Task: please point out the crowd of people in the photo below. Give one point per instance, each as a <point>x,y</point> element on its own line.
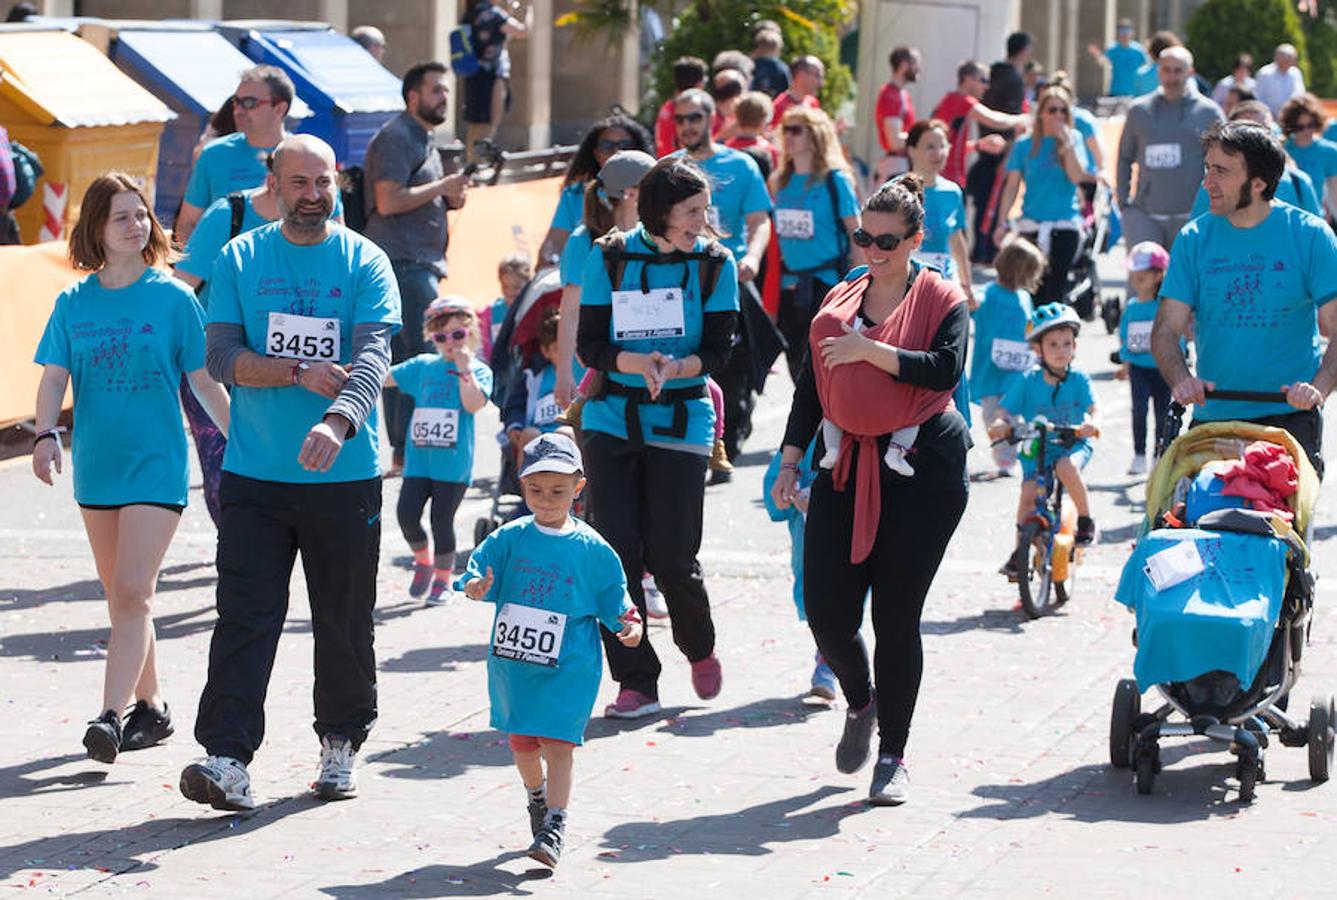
<point>690,260</point>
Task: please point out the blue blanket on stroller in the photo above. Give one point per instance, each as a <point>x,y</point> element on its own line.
<point>1221,618</point>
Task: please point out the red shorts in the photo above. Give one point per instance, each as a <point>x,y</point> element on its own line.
<point>524,743</point>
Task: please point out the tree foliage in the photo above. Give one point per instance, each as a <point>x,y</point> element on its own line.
<point>1220,30</point>
<point>1321,38</point>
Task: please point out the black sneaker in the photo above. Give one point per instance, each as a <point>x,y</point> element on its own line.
<point>547,846</point>
<point>102,740</point>
<point>852,751</point>
<point>1086,531</point>
<point>891,782</point>
<point>146,726</point>
<point>538,814</point>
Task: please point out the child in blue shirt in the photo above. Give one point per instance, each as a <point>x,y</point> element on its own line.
<point>531,407</point>
<point>554,582</point>
<point>1001,354</point>
<point>1147,262</point>
<point>447,388</point>
<point>1063,395</point>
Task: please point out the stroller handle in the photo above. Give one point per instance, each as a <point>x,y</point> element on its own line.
<point>1248,396</point>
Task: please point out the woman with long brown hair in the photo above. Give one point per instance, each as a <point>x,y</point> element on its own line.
<point>125,334</point>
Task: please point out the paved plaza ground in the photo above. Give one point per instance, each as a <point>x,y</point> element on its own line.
<point>1013,794</point>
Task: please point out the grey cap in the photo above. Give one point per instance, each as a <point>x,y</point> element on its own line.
<point>624,169</point>
<point>553,452</point>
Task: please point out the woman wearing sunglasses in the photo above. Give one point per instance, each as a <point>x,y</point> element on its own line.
<point>448,386</point>
<point>895,332</point>
<point>1052,161</point>
<point>1302,122</point>
<point>609,136</point>
<point>816,210</point>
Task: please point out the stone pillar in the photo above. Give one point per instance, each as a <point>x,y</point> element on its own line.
<point>1097,27</point>
<point>332,12</point>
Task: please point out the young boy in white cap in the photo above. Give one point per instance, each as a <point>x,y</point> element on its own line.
<point>554,581</point>
<point>1147,262</point>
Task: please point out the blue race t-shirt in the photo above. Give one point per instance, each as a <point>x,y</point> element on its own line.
<point>552,591</point>
<point>226,165</point>
<point>1089,129</point>
<point>1001,354</point>
<point>541,406</point>
<point>1135,333</point>
<point>126,350</point>
<point>440,441</point>
<point>290,297</point>
<point>944,215</point>
<point>574,254</point>
<point>736,190</point>
<point>809,230</point>
<point>1065,403</point>
<point>676,312</point>
<point>1255,294</point>
<point>1148,79</point>
<point>1330,133</point>
<point>1319,161</point>
<point>1050,195</point>
<point>570,207</point>
<point>1294,188</point>
<point>213,231</point>
<point>1125,62</point>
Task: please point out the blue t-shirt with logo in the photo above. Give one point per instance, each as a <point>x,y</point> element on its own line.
<point>1065,403</point>
<point>683,314</point>
<point>809,230</point>
<point>574,254</point>
<point>1050,195</point>
<point>1135,333</point>
<point>570,207</point>
<point>1255,294</point>
<point>736,190</point>
<point>552,591</point>
<point>1001,355</point>
<point>126,350</point>
<point>944,215</point>
<point>1319,160</point>
<point>226,165</point>
<point>1125,62</point>
<point>1295,188</point>
<point>262,275</point>
<point>437,448</point>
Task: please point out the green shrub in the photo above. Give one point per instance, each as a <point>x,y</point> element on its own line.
<point>1321,36</point>
<point>1222,29</point>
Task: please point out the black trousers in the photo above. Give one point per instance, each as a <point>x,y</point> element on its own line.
<point>1063,248</point>
<point>979,187</point>
<point>918,518</point>
<point>445,496</point>
<point>1149,390</point>
<point>337,529</point>
<point>647,504</point>
<point>735,381</point>
<point>794,319</point>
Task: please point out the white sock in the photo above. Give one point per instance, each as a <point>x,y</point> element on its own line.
<point>831,437</point>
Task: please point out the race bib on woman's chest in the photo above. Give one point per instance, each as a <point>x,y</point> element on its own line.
<point>794,224</point>
<point>657,313</point>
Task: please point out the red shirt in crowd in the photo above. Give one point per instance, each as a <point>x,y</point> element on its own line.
<point>893,102</point>
<point>741,142</point>
<point>786,100</point>
<point>954,109</point>
<point>666,133</point>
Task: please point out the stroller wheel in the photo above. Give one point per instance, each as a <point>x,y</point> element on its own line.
<point>482,528</point>
<point>1127,707</point>
<point>1111,311</point>
<point>1249,772</point>
<point>1321,738</point>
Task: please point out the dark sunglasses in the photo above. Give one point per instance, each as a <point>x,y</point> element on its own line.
<point>887,242</point>
<point>250,102</point>
<point>795,129</point>
<point>458,334</point>
<point>1055,110</point>
<point>1305,126</point>
<point>684,118</point>
<point>606,145</point>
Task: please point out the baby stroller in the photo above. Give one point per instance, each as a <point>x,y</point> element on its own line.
<point>1101,230</point>
<point>1223,600</point>
<point>515,350</point>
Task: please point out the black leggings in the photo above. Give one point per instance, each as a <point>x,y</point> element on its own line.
<point>445,496</point>
<point>1063,247</point>
<point>1149,390</point>
<point>918,518</point>
<point>794,319</point>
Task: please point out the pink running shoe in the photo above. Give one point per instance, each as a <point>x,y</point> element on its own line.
<point>707,677</point>
<point>631,705</point>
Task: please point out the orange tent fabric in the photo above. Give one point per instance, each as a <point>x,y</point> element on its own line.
<point>30,279</point>
<point>496,220</point>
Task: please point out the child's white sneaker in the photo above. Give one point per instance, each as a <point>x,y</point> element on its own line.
<point>1139,465</point>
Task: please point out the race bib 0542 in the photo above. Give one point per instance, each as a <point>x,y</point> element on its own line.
<point>434,427</point>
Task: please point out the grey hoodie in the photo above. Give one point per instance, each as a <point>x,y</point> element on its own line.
<point>1168,176</point>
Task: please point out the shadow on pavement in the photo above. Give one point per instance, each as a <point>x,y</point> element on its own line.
<point>1006,621</point>
<point>89,644</point>
<point>770,713</point>
<point>482,879</point>
<point>601,727</point>
<point>445,754</point>
<point>436,659</point>
<point>15,599</point>
<point>743,833</point>
<point>1129,494</point>
<point>13,782</point>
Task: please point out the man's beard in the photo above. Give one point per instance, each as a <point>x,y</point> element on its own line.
<point>306,219</point>
<point>434,114</point>
<point>700,145</point>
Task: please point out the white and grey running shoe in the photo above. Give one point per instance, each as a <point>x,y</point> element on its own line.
<point>336,780</point>
<point>220,781</point>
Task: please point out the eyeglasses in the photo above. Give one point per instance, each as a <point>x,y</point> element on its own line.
<point>251,102</point>
<point>684,118</point>
<point>887,242</point>
<point>795,129</point>
<point>606,145</point>
<point>457,334</point>
<point>1055,110</point>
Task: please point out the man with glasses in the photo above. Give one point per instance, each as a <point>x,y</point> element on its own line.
<point>1161,136</point>
<point>236,162</point>
<point>300,320</point>
<point>740,212</point>
<point>407,198</point>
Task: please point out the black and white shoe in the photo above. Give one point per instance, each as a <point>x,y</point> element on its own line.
<point>146,726</point>
<point>102,740</point>
<point>857,738</point>
<point>220,781</point>
<point>538,814</point>
<point>891,782</point>
<point>336,780</point>
<point>547,846</point>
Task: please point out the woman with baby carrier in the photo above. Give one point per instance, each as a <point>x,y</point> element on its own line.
<point>892,485</point>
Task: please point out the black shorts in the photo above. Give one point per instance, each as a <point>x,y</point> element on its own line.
<point>173,507</point>
<point>478,97</point>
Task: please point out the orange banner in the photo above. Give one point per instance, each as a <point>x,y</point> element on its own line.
<point>495,221</point>
<point>30,279</point>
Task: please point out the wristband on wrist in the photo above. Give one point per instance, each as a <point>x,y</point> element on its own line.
<point>48,433</point>
<point>792,467</point>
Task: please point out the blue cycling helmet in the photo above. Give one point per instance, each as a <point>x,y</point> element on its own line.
<point>1051,316</point>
